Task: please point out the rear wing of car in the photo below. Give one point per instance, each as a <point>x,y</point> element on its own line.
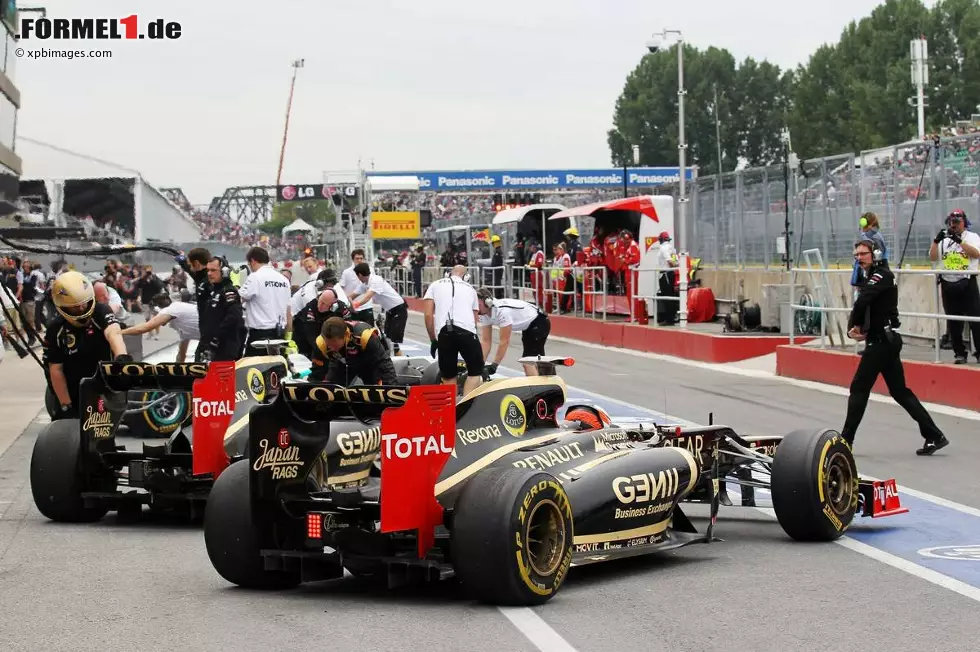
<point>546,364</point>
<point>288,437</point>
<point>101,413</point>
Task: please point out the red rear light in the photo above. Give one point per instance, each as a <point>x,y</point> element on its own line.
<point>314,525</point>
<point>569,362</point>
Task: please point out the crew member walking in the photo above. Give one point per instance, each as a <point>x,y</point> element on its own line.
<point>266,294</point>
<point>451,309</point>
<point>396,310</point>
<point>512,315</point>
<point>959,250</point>
<point>221,321</point>
<point>874,319</point>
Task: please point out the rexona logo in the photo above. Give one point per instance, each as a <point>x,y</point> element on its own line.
<point>477,434</point>
<point>206,409</point>
<point>646,487</point>
<point>284,462</point>
<point>414,446</point>
<point>513,415</point>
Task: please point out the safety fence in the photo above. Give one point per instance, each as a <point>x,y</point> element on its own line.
<point>830,284</point>
<point>739,218</point>
<point>593,292</point>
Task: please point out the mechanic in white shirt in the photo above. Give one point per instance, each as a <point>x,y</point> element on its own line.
<point>181,316</point>
<point>396,310</point>
<point>353,287</point>
<point>511,315</point>
<point>958,249</point>
<point>451,308</point>
<point>266,295</point>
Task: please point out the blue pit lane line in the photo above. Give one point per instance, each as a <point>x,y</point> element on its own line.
<point>927,525</point>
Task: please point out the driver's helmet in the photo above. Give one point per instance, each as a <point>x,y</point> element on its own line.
<point>594,418</point>
<point>74,297</point>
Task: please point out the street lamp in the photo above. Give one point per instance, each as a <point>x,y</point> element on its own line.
<point>654,45</point>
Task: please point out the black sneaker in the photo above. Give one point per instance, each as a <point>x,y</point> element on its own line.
<point>960,359</point>
<point>931,447</point>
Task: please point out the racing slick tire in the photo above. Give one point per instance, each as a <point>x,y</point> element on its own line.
<point>56,483</point>
<point>511,538</point>
<point>814,485</point>
<point>233,540</point>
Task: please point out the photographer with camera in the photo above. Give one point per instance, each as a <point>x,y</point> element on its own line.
<point>959,250</point>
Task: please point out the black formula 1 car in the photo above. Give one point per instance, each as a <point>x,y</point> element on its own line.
<point>494,489</point>
<point>79,473</point>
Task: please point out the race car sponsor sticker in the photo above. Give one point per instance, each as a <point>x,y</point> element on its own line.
<point>256,384</point>
<point>646,487</point>
<point>98,421</point>
<point>953,553</point>
<point>283,461</point>
<point>359,447</point>
<point>477,434</point>
<point>548,458</point>
<point>206,409</point>
<point>513,415</point>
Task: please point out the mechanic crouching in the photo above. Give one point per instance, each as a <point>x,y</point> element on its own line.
<point>82,334</point>
<point>347,350</point>
<point>222,319</point>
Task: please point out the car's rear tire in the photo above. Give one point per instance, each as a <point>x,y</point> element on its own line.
<point>511,540</point>
<point>233,540</point>
<point>51,402</point>
<point>814,485</point>
<point>56,480</point>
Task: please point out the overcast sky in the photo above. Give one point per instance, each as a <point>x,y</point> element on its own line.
<point>412,85</point>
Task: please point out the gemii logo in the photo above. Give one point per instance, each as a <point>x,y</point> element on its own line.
<point>100,29</point>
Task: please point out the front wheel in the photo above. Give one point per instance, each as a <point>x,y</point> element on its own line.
<point>233,539</point>
<point>511,540</point>
<point>814,485</point>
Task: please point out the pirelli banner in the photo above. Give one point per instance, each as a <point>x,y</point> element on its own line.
<point>395,225</point>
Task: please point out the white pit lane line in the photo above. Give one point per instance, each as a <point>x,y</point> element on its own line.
<point>894,561</point>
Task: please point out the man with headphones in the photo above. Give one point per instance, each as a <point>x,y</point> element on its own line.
<point>959,251</point>
<point>304,319</point>
<point>874,320</point>
<point>349,350</point>
<point>222,322</point>
<point>510,315</point>
<point>451,309</point>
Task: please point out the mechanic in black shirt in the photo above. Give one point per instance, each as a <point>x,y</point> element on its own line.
<point>222,317</point>
<point>418,264</point>
<point>349,349</point>
<point>195,264</point>
<point>81,335</point>
<point>874,319</point>
<point>308,322</point>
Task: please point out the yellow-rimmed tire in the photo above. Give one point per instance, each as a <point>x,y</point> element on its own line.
<point>814,485</point>
<point>511,540</point>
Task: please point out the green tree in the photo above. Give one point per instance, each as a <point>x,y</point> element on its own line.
<point>319,213</point>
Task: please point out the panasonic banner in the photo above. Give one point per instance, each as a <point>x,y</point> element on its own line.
<point>504,180</point>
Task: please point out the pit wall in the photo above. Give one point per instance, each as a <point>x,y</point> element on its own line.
<point>916,293</point>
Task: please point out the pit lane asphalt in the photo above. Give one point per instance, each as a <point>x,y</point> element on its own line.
<point>150,586</point>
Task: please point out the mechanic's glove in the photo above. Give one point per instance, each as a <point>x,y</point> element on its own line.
<point>231,297</point>
<point>434,348</point>
<point>180,258</point>
<point>291,347</point>
<point>955,237</point>
<point>123,357</point>
<point>490,369</point>
<point>940,236</point>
